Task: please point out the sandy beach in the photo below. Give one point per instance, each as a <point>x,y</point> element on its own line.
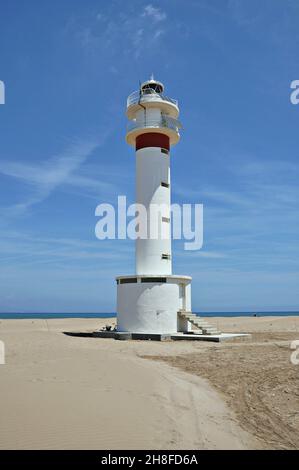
<point>59,391</point>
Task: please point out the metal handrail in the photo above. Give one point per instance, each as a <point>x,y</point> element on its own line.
<point>164,121</point>
<point>148,95</point>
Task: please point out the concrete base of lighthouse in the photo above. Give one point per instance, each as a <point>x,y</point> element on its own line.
<point>150,304</point>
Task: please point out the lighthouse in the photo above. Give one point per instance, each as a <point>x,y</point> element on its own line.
<point>153,300</point>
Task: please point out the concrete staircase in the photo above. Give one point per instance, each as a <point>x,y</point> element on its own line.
<point>199,322</point>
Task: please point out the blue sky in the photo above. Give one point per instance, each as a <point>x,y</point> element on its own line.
<point>68,67</point>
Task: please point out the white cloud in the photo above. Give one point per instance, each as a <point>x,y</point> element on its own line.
<point>46,177</point>
<point>155,13</point>
<point>252,214</point>
<point>24,248</point>
<point>124,33</point>
<point>158,33</point>
<point>202,254</point>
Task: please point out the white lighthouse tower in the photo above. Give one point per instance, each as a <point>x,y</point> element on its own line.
<point>152,300</point>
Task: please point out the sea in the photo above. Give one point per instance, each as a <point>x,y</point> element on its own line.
<point>32,316</point>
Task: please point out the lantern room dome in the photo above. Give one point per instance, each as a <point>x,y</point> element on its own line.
<point>153,85</point>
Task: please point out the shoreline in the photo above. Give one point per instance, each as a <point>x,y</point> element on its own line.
<point>74,316</point>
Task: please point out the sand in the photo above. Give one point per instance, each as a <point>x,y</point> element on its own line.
<point>64,392</point>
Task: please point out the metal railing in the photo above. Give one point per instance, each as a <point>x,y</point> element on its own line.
<point>164,121</point>
<point>148,95</point>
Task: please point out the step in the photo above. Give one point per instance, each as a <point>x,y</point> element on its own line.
<point>207,328</point>
<point>202,323</point>
<point>189,317</point>
<point>211,332</point>
<point>199,322</point>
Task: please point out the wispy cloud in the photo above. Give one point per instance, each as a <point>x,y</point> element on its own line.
<point>155,13</point>
<point>44,178</point>
<point>124,32</point>
<point>24,248</point>
<point>273,23</point>
<point>251,214</point>
<point>244,13</point>
<point>201,254</point>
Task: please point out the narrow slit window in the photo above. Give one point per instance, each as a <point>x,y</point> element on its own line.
<point>166,219</point>
<point>165,185</point>
<point>153,279</point>
<point>128,280</point>
<point>165,151</point>
<point>165,256</point>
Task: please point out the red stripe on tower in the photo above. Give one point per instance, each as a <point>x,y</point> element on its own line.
<point>152,139</point>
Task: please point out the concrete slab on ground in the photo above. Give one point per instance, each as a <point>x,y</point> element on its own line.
<point>201,337</point>
<point>167,337</point>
